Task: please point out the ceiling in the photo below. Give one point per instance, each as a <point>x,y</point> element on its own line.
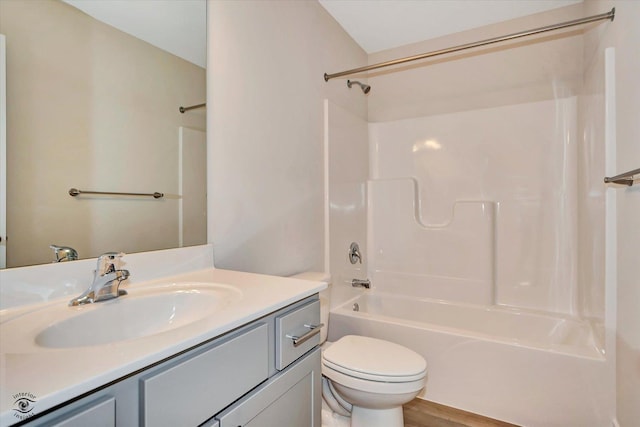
<point>374,24</point>
<point>384,24</point>
<point>177,26</point>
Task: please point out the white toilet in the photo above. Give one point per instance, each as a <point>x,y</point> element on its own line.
<point>368,377</point>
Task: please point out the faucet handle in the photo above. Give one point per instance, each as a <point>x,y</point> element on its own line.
<point>109,262</point>
<point>354,253</point>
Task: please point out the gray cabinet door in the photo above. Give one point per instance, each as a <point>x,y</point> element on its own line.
<point>293,408</point>
<point>292,398</point>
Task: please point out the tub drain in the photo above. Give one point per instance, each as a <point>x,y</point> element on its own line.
<point>356,307</point>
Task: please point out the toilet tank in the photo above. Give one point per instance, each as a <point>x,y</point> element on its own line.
<point>318,276</point>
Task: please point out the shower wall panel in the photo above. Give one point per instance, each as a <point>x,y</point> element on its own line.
<point>454,261</point>
<point>591,189</point>
<point>522,158</point>
<point>347,169</point>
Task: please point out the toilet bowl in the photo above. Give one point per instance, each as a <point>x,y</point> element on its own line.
<point>377,377</point>
<point>368,377</point>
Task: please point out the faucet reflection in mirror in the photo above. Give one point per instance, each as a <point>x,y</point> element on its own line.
<point>64,253</point>
<point>106,280</point>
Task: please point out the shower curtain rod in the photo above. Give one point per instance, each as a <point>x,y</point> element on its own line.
<point>603,16</point>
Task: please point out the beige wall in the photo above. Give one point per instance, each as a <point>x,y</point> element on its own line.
<point>93,108</point>
<point>266,97</point>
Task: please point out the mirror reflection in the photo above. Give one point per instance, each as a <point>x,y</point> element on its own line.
<point>91,107</point>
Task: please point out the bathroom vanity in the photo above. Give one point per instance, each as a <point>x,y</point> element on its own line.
<point>237,366</point>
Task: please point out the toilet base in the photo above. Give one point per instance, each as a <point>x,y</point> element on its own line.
<point>366,417</point>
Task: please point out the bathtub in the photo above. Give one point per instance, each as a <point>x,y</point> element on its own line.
<point>527,368</point>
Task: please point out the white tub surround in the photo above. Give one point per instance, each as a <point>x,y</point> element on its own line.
<point>478,212</point>
<point>481,357</point>
<point>486,248</point>
<point>522,328</point>
<point>55,375</point>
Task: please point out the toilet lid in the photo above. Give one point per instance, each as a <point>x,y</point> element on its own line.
<point>374,359</point>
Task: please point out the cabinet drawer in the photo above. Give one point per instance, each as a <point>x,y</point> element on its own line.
<point>188,393</point>
<point>299,323</point>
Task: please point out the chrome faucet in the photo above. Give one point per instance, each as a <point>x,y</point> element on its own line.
<point>64,253</point>
<point>106,279</point>
<point>357,283</point>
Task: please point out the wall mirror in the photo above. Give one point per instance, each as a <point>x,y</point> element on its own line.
<point>92,107</point>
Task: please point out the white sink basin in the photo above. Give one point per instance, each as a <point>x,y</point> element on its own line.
<point>144,312</point>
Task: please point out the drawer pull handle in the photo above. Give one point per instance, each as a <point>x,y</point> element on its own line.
<point>314,330</point>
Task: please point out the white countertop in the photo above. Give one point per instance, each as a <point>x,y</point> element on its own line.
<point>55,375</point>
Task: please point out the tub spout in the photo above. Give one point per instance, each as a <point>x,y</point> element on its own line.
<point>357,283</point>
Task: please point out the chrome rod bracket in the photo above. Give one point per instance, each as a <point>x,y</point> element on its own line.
<point>627,178</point>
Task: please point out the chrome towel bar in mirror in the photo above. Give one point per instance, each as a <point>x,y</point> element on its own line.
<point>75,192</point>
